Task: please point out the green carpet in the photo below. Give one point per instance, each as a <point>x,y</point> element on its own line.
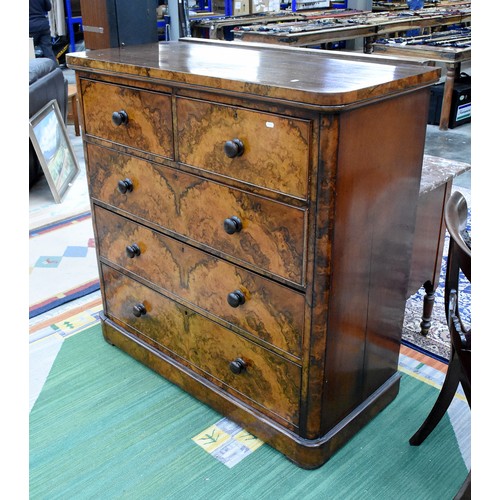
<point>105,426</point>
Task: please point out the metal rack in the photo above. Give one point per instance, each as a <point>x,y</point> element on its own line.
<point>71,21</point>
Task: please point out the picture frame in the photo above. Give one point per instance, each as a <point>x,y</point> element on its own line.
<point>50,139</point>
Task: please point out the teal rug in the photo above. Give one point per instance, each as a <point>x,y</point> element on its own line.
<point>104,427</point>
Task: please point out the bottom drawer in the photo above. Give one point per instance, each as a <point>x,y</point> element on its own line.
<point>243,368</point>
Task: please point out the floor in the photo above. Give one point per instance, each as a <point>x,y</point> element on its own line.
<point>452,144</point>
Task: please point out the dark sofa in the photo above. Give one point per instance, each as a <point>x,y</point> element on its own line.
<point>47,82</point>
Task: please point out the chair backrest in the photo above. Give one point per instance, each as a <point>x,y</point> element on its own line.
<point>459,252</point>
<point>459,259</point>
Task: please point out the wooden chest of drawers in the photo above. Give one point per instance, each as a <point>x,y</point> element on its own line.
<point>254,210</point>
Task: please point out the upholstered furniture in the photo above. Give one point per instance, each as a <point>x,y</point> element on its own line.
<point>254,210</point>
<point>47,82</point>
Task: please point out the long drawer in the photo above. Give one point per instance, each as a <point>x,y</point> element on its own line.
<point>132,117</point>
<point>261,307</point>
<point>259,148</point>
<point>236,364</point>
<point>251,229</point>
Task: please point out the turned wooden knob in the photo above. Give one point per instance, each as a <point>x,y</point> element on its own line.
<point>232,225</point>
<point>233,148</point>
<point>139,310</point>
<point>119,117</point>
<point>133,250</point>
<point>236,298</point>
<point>237,366</point>
<point>125,186</point>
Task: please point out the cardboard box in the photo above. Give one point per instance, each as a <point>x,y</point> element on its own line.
<point>240,7</point>
<point>259,6</point>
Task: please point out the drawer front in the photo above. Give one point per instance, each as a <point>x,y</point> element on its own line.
<point>268,380</point>
<point>275,151</point>
<point>271,235</point>
<point>149,116</point>
<point>261,307</point>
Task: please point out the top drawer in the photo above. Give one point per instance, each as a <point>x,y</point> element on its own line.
<point>147,123</point>
<point>263,149</point>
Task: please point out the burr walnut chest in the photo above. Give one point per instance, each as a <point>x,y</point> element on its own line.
<point>254,210</point>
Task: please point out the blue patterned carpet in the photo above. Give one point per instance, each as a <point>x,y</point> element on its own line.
<point>436,343</point>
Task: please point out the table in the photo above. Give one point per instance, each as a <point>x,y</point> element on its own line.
<point>435,189</point>
<point>451,56</point>
<point>323,28</point>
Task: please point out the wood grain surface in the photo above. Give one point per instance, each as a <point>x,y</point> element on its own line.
<point>149,126</point>
<point>272,237</point>
<point>268,380</point>
<point>271,312</point>
<point>276,148</point>
<point>273,72</point>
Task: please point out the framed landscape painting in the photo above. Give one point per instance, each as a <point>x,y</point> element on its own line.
<point>52,145</point>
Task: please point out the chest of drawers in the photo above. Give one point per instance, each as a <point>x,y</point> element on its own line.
<point>254,210</point>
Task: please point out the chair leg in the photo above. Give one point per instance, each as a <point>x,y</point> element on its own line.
<point>442,403</point>
<point>428,307</point>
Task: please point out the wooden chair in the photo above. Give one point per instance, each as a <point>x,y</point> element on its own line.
<point>459,368</point>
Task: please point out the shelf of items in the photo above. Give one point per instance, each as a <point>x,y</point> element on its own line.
<point>71,21</point>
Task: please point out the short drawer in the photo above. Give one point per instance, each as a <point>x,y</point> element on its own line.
<point>239,366</point>
<point>263,308</point>
<point>132,117</point>
<point>264,233</point>
<point>269,150</point>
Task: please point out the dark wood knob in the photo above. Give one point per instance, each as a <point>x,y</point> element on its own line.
<point>133,250</point>
<point>125,186</point>
<point>237,366</point>
<point>119,117</point>
<point>232,225</point>
<point>236,298</point>
<point>139,310</point>
<point>233,148</point>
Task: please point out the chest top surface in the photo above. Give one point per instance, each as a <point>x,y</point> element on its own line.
<point>313,78</point>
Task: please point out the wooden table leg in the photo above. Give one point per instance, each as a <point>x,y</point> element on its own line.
<point>429,299</point>
<point>73,99</point>
<point>447,96</point>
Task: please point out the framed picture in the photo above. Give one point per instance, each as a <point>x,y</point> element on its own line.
<point>52,145</point>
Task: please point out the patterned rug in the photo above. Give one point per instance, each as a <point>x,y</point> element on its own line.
<point>63,264</point>
<point>103,425</point>
<point>437,341</point>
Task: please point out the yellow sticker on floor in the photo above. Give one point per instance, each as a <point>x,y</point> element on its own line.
<point>227,442</point>
<point>75,323</point>
<point>211,438</point>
